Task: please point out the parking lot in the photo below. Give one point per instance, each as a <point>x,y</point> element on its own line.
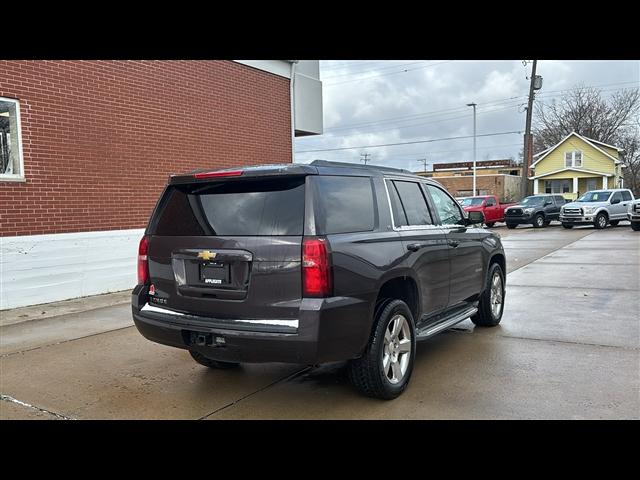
<point>568,347</point>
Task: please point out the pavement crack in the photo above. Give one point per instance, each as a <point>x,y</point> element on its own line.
<point>4,355</point>
<point>10,399</point>
<point>284,379</point>
<point>553,340</point>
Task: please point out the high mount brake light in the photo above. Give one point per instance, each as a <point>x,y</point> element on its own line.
<point>228,173</point>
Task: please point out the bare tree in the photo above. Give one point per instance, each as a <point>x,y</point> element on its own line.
<point>584,110</point>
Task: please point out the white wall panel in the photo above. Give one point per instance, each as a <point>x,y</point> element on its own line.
<point>47,268</point>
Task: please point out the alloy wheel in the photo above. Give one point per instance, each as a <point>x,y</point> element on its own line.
<point>496,295</point>
<point>397,349</point>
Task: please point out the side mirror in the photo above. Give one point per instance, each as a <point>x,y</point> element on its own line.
<point>547,203</point>
<point>475,217</point>
<point>614,201</point>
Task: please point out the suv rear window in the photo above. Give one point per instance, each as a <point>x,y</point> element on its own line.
<point>234,208</point>
<point>343,204</point>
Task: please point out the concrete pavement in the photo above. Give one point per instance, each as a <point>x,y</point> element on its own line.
<point>568,347</point>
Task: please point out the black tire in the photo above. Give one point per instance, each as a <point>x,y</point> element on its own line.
<point>211,363</point>
<point>485,316</point>
<point>490,224</point>
<point>538,221</point>
<point>567,225</point>
<point>600,221</point>
<point>367,372</point>
<point>511,225</point>
<point>547,223</point>
<point>635,226</point>
<point>614,223</point>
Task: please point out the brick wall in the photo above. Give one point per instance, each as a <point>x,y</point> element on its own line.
<point>100,138</point>
<point>505,187</point>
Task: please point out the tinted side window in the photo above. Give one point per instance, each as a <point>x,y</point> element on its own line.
<point>343,204</point>
<point>617,195</point>
<point>626,196</point>
<point>399,217</point>
<point>448,209</point>
<point>413,203</point>
<point>560,200</point>
<point>490,202</point>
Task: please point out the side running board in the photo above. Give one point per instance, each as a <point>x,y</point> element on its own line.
<point>448,322</point>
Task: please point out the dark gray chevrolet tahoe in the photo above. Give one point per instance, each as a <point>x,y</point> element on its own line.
<point>311,264</point>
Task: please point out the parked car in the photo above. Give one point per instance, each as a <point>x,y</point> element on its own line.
<point>537,210</point>
<point>633,214</point>
<point>311,264</point>
<point>598,207</point>
<point>489,205</point>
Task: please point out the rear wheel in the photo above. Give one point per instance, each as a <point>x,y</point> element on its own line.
<point>635,226</point>
<point>601,221</point>
<point>567,225</point>
<point>491,302</point>
<point>211,363</point>
<point>614,223</point>
<point>511,225</point>
<point>385,367</point>
<point>538,221</point>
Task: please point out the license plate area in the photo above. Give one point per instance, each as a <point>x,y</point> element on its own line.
<point>215,274</point>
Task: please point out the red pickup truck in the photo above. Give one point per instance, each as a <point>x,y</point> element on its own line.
<point>489,205</point>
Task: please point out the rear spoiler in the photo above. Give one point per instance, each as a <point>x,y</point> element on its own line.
<point>202,176</point>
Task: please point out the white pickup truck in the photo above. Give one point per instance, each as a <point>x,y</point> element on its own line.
<point>597,207</point>
<point>633,214</point>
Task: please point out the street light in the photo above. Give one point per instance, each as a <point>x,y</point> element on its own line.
<point>474,145</point>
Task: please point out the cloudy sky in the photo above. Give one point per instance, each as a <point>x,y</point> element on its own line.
<point>370,103</point>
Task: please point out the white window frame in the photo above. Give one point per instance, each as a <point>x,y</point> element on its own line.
<point>573,159</point>
<point>15,177</point>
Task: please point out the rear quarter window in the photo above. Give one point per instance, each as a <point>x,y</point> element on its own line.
<point>343,204</point>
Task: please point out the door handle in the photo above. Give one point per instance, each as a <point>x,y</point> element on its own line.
<point>453,243</point>
<point>414,247</point>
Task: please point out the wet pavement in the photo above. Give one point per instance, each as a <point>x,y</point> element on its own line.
<point>568,347</point>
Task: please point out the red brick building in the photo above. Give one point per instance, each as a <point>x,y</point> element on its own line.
<point>87,146</point>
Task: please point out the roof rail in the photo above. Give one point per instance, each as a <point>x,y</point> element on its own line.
<point>329,163</point>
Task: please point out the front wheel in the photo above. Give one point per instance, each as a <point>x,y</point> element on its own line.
<point>511,225</point>
<point>601,221</point>
<point>567,225</point>
<point>635,226</point>
<point>614,223</point>
<point>491,302</point>
<point>538,221</point>
<point>490,224</point>
<point>385,367</point>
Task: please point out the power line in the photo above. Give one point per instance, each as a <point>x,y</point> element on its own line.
<point>409,143</point>
<point>385,74</point>
<point>374,71</point>
<point>453,109</point>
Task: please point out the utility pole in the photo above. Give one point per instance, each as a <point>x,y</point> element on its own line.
<point>365,157</point>
<point>424,163</point>
<point>474,146</point>
<point>528,144</point>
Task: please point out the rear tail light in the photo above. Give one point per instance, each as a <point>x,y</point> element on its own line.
<point>143,261</point>
<point>316,268</point>
<point>223,173</point>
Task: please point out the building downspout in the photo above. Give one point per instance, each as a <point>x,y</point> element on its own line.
<point>293,109</point>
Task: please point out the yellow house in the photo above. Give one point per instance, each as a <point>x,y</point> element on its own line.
<point>575,166</point>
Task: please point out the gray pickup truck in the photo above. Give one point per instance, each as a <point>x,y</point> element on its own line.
<point>633,215</point>
<point>598,208</point>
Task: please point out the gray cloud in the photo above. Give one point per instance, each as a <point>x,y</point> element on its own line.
<point>376,102</point>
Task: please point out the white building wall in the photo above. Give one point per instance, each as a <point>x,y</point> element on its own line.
<point>47,268</point>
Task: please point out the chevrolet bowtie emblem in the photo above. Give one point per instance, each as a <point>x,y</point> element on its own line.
<point>206,255</point>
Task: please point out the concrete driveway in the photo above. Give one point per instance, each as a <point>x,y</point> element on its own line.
<point>568,347</point>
